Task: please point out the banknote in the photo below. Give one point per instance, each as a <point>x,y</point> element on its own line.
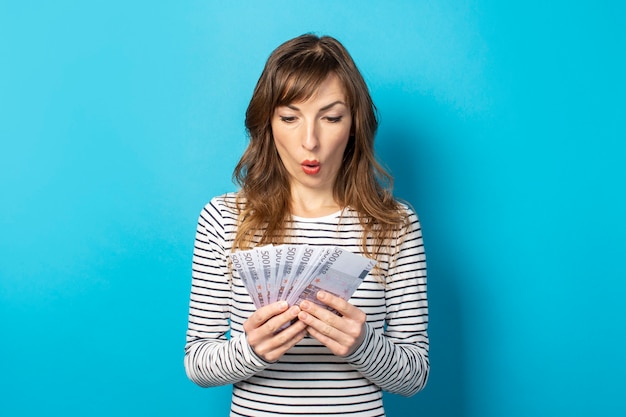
<point>340,273</point>
<point>250,281</point>
<point>295,272</point>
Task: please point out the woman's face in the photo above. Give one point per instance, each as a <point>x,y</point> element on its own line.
<point>311,136</point>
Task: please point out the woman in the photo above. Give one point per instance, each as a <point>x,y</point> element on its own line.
<point>309,176</point>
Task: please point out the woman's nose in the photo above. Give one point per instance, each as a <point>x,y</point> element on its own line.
<point>310,140</point>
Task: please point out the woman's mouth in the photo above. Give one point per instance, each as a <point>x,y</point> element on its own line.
<point>310,167</point>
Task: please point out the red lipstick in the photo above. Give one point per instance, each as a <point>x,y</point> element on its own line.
<point>310,167</point>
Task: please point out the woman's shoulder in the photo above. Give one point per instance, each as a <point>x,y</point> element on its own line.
<point>227,199</point>
<point>226,204</point>
<point>405,207</point>
<point>408,215</point>
<point>409,210</point>
<point>411,219</point>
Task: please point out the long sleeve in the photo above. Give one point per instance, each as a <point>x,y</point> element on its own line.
<point>396,358</point>
<point>211,358</point>
<point>308,380</point>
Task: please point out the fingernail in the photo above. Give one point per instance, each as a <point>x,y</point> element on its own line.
<point>283,304</point>
<point>294,310</point>
<point>305,305</point>
<point>321,295</point>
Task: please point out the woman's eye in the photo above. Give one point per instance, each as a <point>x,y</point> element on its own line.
<point>288,119</point>
<point>334,119</point>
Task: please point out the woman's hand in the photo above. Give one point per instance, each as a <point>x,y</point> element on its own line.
<point>341,334</point>
<point>262,330</point>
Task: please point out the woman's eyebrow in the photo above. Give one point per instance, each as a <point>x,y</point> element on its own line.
<point>326,107</point>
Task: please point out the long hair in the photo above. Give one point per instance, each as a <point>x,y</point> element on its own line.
<point>293,73</point>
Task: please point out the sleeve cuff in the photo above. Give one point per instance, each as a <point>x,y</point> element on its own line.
<point>250,355</point>
<point>360,351</point>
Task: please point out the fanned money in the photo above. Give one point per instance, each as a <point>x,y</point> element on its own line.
<point>297,272</point>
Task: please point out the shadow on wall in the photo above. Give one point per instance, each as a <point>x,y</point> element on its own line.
<point>420,179</point>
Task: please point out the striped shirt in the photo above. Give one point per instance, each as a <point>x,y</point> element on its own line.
<point>308,380</point>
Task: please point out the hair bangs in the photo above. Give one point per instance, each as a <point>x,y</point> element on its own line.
<point>300,78</point>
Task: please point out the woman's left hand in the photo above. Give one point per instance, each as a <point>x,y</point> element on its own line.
<point>341,334</point>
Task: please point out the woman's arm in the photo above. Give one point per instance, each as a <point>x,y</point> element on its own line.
<point>211,358</point>
<point>396,359</point>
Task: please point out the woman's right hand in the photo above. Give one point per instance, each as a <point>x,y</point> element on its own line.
<point>262,330</point>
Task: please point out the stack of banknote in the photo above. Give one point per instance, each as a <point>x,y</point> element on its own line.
<point>297,272</point>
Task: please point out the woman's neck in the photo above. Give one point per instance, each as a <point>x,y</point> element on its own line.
<point>313,204</point>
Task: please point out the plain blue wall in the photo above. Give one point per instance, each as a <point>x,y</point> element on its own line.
<point>502,121</point>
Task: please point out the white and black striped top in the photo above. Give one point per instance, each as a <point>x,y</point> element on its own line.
<point>308,380</point>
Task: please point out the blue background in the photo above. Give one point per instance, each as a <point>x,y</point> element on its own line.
<point>503,123</point>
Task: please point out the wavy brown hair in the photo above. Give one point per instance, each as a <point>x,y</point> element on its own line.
<point>293,73</point>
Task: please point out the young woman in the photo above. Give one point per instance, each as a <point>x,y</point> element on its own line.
<point>309,176</point>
